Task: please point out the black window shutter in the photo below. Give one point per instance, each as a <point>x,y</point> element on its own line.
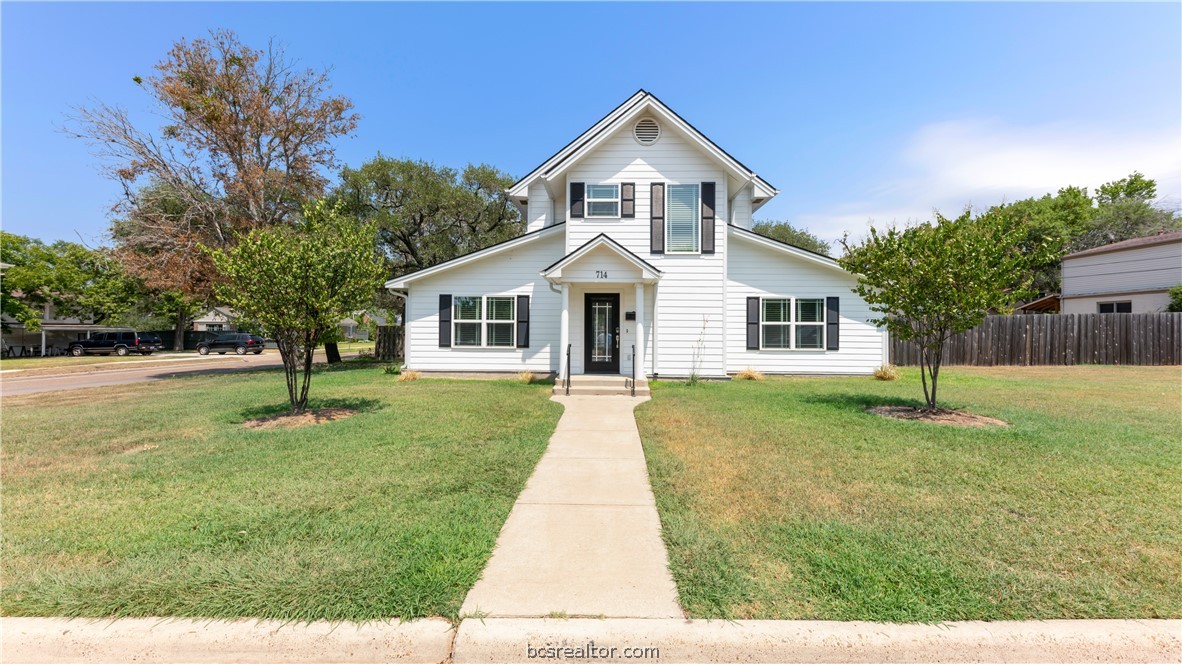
<point>628,200</point>
<point>832,323</point>
<point>576,200</point>
<point>707,217</point>
<point>523,321</point>
<point>656,231</point>
<point>753,323</point>
<point>445,321</point>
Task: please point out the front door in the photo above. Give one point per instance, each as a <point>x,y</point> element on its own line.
<point>602,333</point>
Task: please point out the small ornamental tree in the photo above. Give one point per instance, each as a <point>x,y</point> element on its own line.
<point>934,280</point>
<point>298,281</point>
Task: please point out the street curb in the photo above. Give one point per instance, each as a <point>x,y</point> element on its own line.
<point>150,640</point>
<point>504,640</point>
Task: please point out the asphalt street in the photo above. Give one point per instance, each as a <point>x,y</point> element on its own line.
<point>12,384</point>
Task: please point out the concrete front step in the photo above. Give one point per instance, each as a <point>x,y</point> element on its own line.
<point>585,390</point>
<point>600,384</point>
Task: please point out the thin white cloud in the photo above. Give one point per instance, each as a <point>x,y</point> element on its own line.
<point>948,165</point>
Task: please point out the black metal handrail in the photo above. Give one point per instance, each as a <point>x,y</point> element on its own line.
<point>568,369</point>
<point>634,369</point>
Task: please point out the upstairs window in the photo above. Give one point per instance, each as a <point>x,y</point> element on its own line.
<point>603,200</point>
<point>683,221</point>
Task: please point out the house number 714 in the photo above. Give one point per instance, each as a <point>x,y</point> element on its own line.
<point>601,274</point>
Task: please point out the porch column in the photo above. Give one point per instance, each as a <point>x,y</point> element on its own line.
<point>638,357</point>
<point>42,341</point>
<point>564,332</point>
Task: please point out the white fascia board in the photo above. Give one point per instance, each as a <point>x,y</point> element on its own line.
<point>400,283</point>
<point>785,248</point>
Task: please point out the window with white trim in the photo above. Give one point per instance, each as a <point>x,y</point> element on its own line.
<point>484,322</point>
<point>789,323</point>
<point>603,200</point>
<point>683,219</point>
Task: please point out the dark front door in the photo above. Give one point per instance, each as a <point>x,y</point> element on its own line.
<point>601,340</point>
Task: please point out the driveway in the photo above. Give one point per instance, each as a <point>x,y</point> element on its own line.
<point>12,384</point>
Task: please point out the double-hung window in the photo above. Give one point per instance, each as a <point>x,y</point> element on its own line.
<point>488,321</point>
<point>683,219</point>
<point>603,200</point>
<point>792,323</point>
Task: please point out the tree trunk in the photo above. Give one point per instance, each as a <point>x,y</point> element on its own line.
<point>334,354</point>
<point>178,340</point>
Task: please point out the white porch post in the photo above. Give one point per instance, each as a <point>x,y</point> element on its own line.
<point>638,356</point>
<point>564,333</point>
<point>42,342</point>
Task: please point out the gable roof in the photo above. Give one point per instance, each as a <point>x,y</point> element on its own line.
<point>1160,238</point>
<point>602,240</point>
<point>784,247</point>
<point>399,283</point>
<point>633,107</point>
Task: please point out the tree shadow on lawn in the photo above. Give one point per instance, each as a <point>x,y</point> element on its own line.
<point>355,404</point>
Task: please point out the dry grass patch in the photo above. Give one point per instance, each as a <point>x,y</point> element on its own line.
<point>293,420</point>
<point>939,416</point>
<point>749,374</point>
<point>887,372</point>
<point>526,377</point>
<point>408,376</point>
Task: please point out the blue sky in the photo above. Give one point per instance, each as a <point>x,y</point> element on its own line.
<point>856,112</point>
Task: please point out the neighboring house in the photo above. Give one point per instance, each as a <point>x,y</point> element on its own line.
<point>218,319</point>
<point>357,325</point>
<point>1133,276</point>
<point>639,258</point>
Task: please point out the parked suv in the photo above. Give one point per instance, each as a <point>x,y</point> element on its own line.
<point>238,342</point>
<point>119,343</point>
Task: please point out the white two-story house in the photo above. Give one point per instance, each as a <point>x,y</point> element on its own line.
<point>639,261</point>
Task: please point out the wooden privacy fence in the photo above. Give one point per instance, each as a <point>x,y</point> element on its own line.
<point>1146,339</point>
<point>388,345</point>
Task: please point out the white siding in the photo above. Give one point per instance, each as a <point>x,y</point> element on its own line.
<point>538,208</point>
<point>690,306</point>
<point>514,272</point>
<point>1138,269</point>
<point>1143,303</point>
<point>742,209</point>
<point>756,271</point>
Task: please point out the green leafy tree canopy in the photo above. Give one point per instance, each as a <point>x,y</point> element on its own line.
<point>297,282</point>
<point>934,280</point>
<point>789,234</point>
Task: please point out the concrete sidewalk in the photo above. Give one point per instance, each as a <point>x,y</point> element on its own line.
<point>151,640</point>
<point>583,538</point>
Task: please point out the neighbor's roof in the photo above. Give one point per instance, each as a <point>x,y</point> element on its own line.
<point>1137,242</point>
<point>635,106</point>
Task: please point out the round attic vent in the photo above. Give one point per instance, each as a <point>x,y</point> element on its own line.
<point>647,131</point>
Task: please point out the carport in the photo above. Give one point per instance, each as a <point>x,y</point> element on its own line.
<point>52,328</point>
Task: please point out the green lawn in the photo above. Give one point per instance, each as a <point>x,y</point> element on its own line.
<point>784,499</point>
<point>152,500</point>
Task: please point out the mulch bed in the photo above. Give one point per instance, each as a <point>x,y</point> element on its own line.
<point>940,416</point>
<point>293,420</point>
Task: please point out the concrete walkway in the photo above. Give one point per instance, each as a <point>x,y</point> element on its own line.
<point>583,538</point>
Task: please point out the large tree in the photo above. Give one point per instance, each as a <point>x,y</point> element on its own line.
<point>70,279</point>
<point>789,234</point>
<point>426,214</point>
<point>298,281</point>
<point>247,138</point>
<point>934,280</point>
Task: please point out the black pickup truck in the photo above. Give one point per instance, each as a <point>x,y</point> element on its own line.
<point>119,343</point>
